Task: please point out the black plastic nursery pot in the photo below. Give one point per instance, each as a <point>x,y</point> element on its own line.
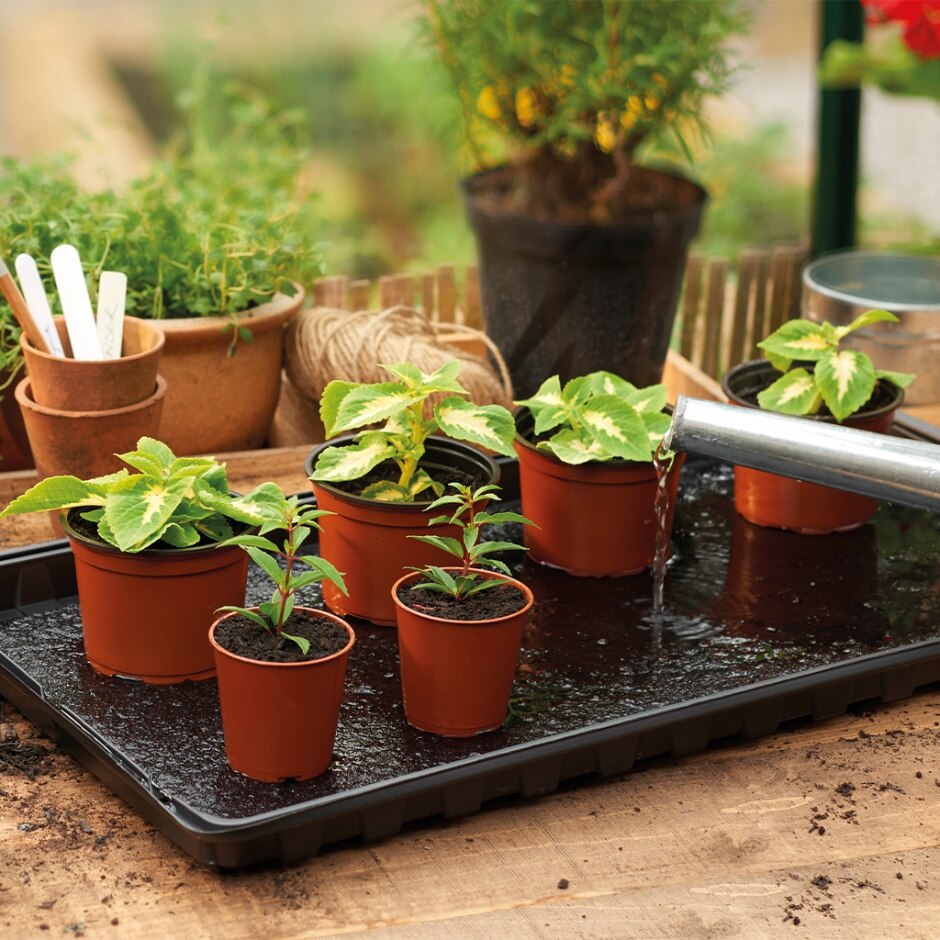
<point>572,298</point>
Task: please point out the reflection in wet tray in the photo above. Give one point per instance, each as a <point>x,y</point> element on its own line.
<point>742,605</point>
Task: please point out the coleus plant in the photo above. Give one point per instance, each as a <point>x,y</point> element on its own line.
<point>469,549</point>
<point>842,379</point>
<point>599,417</point>
<point>410,417</point>
<point>297,522</point>
<point>174,501</point>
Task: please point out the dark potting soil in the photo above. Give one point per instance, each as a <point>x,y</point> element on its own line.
<point>487,605</point>
<point>388,471</point>
<point>244,637</point>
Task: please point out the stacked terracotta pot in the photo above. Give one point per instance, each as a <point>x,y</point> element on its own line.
<point>79,413</point>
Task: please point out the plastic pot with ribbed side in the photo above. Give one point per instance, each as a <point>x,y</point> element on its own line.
<point>279,719</point>
<point>769,499</point>
<point>457,675</point>
<point>367,539</point>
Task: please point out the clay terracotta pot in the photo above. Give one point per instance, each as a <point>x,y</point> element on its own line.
<point>14,442</point>
<point>217,402</point>
<point>83,385</point>
<point>368,540</point>
<point>279,719</point>
<point>83,443</point>
<point>782,502</point>
<point>596,519</point>
<point>456,675</point>
<point>147,615</point>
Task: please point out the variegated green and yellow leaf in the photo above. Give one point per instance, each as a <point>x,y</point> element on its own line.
<point>647,400</point>
<point>617,427</point>
<point>370,404</point>
<point>61,492</point>
<point>352,461</point>
<point>570,447</point>
<point>180,536</point>
<point>411,375</point>
<point>900,379</point>
<point>606,383</point>
<point>444,379</point>
<point>794,393</point>
<point>490,426</point>
<point>800,340</point>
<point>548,396</point>
<point>867,318</point>
<point>138,509</point>
<point>657,424</point>
<point>330,400</point>
<point>157,451</point>
<point>846,381</point>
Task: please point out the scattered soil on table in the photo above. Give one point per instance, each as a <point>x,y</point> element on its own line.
<point>17,756</point>
<point>244,637</point>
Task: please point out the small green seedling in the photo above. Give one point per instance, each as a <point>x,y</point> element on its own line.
<point>176,501</point>
<point>469,550</point>
<point>282,513</point>
<point>599,417</point>
<point>409,419</point>
<point>842,379</point>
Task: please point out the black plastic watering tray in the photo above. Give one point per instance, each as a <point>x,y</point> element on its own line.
<point>759,627</point>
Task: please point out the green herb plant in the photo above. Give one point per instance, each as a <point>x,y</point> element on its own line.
<point>297,522</point>
<point>568,92</point>
<point>469,550</point>
<point>219,222</point>
<point>410,416</point>
<point>817,372</point>
<point>598,417</point>
<point>172,502</point>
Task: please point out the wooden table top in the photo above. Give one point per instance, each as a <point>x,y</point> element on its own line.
<point>824,829</point>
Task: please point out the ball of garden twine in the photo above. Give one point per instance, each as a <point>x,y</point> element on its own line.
<point>323,343</point>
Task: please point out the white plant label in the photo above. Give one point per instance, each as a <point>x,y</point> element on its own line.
<point>76,304</point>
<point>112,293</point>
<point>35,295</point>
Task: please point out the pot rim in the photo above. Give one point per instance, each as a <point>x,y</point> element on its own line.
<point>764,364</point>
<point>324,614</point>
<point>23,393</point>
<point>150,552</point>
<point>471,185</point>
<point>435,440</point>
<point>488,573</point>
<point>68,363</point>
<point>268,315</point>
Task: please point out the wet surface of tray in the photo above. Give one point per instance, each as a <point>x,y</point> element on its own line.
<point>759,626</point>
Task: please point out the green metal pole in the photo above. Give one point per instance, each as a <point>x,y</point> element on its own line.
<point>835,197</point>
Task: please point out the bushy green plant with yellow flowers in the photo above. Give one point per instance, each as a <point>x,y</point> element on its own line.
<point>569,91</point>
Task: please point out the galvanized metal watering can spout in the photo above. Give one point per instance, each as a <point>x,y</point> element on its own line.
<point>877,465</point>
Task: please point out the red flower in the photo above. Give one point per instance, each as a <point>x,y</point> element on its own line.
<point>920,18</point>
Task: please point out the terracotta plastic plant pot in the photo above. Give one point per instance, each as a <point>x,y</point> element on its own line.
<point>217,402</point>
<point>368,540</point>
<point>596,519</point>
<point>147,615</point>
<point>83,443</point>
<point>82,385</point>
<point>456,675</point>
<point>570,297</point>
<point>279,719</point>
<point>784,503</point>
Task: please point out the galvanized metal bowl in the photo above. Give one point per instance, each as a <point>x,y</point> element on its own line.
<point>840,286</point>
